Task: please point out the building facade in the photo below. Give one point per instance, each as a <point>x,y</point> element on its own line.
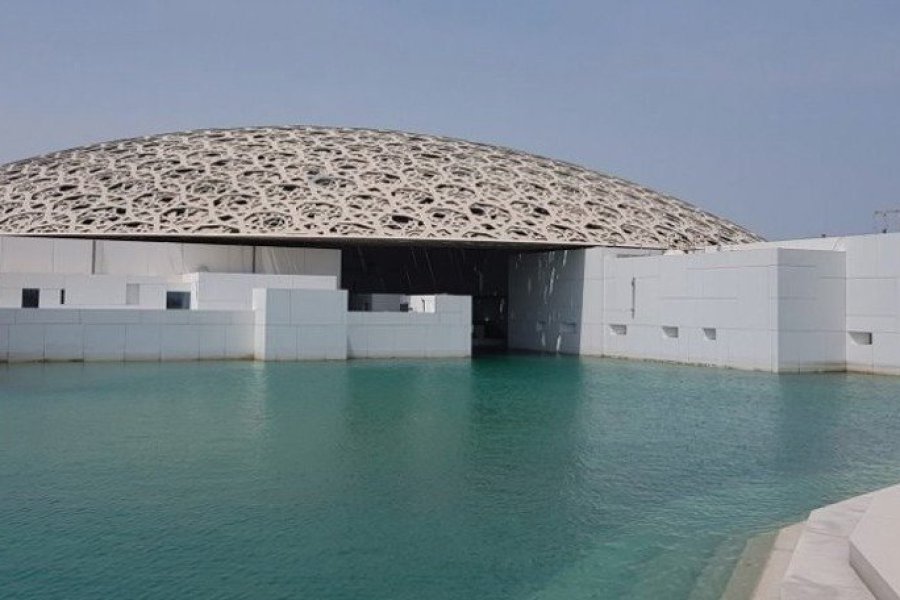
<point>318,243</point>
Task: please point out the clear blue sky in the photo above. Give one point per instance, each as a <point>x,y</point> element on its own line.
<point>783,115</point>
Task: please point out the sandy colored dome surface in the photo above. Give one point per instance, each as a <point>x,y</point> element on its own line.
<point>334,184</point>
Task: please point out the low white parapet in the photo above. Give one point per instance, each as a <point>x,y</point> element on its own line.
<point>284,325</point>
<point>234,291</point>
<point>119,334</point>
<point>445,331</point>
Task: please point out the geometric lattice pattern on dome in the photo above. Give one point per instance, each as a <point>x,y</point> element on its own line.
<point>336,183</point>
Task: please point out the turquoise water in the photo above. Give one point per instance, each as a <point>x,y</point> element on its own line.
<point>506,477</point>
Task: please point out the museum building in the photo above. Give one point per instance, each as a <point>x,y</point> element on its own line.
<point>292,243</point>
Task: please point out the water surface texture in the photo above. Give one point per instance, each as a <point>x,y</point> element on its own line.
<point>505,477</point>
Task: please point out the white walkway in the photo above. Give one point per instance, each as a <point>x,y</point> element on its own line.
<point>845,551</point>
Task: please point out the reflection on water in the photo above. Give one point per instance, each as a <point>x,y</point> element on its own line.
<point>500,477</point>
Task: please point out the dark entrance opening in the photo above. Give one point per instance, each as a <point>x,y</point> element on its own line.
<point>31,298</point>
<point>477,272</point>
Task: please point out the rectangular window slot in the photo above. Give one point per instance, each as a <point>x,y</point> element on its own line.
<point>31,297</point>
<point>178,300</point>
<point>568,327</point>
<point>62,297</point>
<point>861,338</point>
<point>132,294</point>
<point>670,332</point>
<point>709,333</point>
<point>618,329</point>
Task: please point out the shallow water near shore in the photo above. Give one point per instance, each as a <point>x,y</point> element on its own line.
<point>507,476</point>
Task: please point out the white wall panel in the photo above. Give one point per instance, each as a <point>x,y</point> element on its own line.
<point>747,297</point>
<point>95,290</point>
<point>180,343</point>
<point>64,341</point>
<point>104,342</point>
<point>26,255</point>
<point>72,256</point>
<point>216,258</point>
<point>110,335</point>
<point>234,291</point>
<point>446,332</point>
<point>300,324</point>
<point>26,341</point>
<point>142,341</point>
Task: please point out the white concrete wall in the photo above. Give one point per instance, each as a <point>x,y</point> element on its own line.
<point>546,292</point>
<point>169,258</point>
<point>446,332</point>
<point>300,324</point>
<point>766,308</point>
<point>556,299</point>
<point>769,309</point>
<point>97,291</point>
<point>234,291</point>
<point>872,296</point>
<point>97,273</point>
<point>563,301</point>
<point>873,302</point>
<point>116,335</point>
<point>46,255</point>
<point>209,291</point>
<point>115,257</point>
<point>295,261</point>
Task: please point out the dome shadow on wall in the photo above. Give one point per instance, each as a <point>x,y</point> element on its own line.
<point>309,184</point>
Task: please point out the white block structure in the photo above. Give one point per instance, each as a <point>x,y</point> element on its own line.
<point>300,324</point>
<point>117,335</point>
<point>826,304</point>
<point>412,213</point>
<point>447,328</point>
<point>102,300</point>
<point>802,305</point>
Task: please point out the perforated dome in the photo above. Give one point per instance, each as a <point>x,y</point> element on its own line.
<point>316,183</point>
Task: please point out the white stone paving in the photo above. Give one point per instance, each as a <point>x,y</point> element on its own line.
<point>845,551</point>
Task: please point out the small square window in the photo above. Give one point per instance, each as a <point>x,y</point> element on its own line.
<point>178,300</point>
<point>670,332</point>
<point>861,338</point>
<point>618,329</point>
<point>710,333</point>
<point>31,297</point>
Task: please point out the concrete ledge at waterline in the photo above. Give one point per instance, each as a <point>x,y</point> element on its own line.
<point>806,368</point>
<point>847,550</point>
<point>875,545</point>
<point>762,565</point>
<point>820,566</point>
